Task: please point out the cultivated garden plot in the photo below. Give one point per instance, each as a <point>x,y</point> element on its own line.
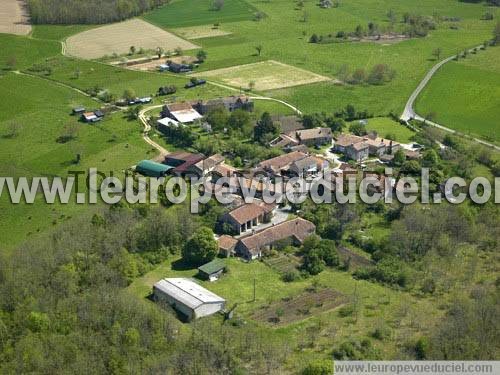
<point>13,19</point>
<point>283,263</point>
<point>265,75</point>
<point>302,306</point>
<point>199,32</point>
<point>119,37</point>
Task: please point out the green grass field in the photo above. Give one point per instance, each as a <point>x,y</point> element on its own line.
<point>25,51</point>
<point>57,32</point>
<point>42,109</point>
<point>464,95</point>
<point>181,13</point>
<point>385,126</point>
<point>281,35</point>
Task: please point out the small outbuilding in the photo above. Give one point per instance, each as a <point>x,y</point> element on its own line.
<point>187,297</point>
<point>152,169</point>
<point>212,270</point>
<point>90,117</point>
<point>78,110</point>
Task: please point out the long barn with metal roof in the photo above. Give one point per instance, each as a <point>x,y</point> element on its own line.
<point>188,297</point>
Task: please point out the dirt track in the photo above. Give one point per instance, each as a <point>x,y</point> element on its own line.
<point>13,18</point>
<point>119,37</point>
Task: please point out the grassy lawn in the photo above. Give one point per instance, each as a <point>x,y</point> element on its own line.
<point>464,95</point>
<point>25,51</point>
<point>58,32</point>
<point>199,12</point>
<point>385,126</point>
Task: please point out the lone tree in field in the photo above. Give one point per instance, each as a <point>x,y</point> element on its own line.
<point>132,50</point>
<point>14,129</point>
<point>259,49</point>
<point>437,53</point>
<point>129,94</point>
<point>201,55</point>
<point>11,62</point>
<point>69,133</point>
<point>217,5</point>
<point>132,113</point>
<point>159,52</point>
<point>77,73</point>
<point>391,15</point>
<point>201,247</point>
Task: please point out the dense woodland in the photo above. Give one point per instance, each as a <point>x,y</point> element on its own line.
<point>88,11</point>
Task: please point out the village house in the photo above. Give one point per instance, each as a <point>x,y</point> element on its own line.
<point>281,164</point>
<point>205,166</point>
<point>314,137</point>
<point>379,146</point>
<point>247,216</point>
<point>360,148</point>
<point>181,162</point>
<point>223,170</point>
<point>284,141</point>
<point>180,112</point>
<point>358,151</point>
<point>237,185</point>
<point>296,230</point>
<point>187,297</point>
<point>227,245</point>
<point>308,166</point>
<point>345,140</point>
<point>231,103</point>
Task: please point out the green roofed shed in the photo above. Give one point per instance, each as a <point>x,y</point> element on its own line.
<point>212,270</point>
<point>152,169</point>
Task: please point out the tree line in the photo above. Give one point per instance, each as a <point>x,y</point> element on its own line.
<point>88,11</point>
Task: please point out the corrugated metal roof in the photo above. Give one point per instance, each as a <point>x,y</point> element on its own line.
<point>151,166</point>
<point>187,292</point>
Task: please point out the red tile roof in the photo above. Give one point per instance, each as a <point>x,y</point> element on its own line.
<point>297,228</point>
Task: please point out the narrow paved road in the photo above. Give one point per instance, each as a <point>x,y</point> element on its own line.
<point>409,111</point>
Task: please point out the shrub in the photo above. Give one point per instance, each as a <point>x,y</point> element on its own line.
<point>290,276</point>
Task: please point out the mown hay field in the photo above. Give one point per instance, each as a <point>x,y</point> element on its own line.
<point>265,75</point>
<point>119,37</point>
<point>13,19</point>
